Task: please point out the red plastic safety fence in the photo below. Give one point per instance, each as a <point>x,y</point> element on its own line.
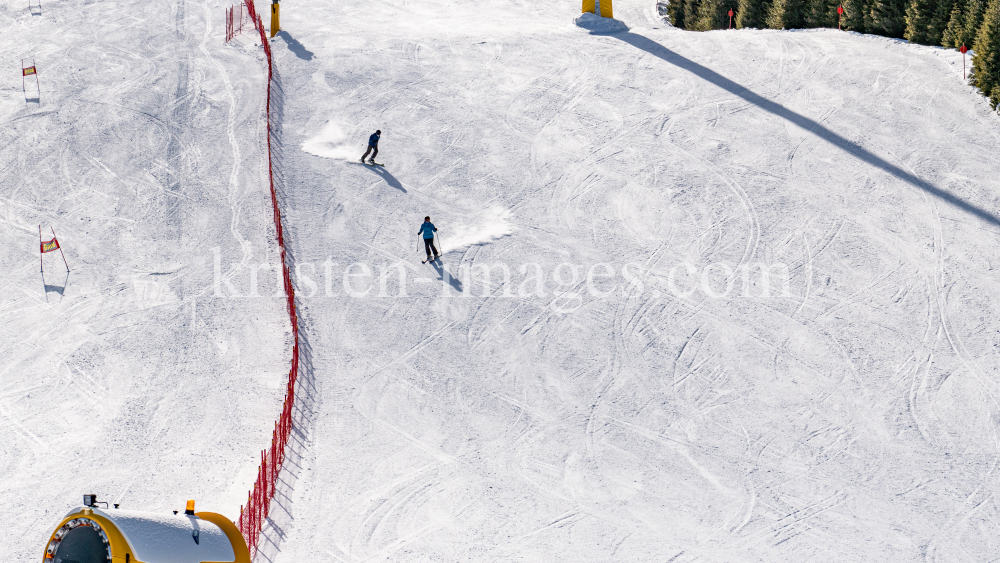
<point>255,512</point>
<point>234,21</point>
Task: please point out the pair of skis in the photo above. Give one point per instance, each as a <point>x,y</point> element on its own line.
<point>372,163</point>
<point>438,257</point>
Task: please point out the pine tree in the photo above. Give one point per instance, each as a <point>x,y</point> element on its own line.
<point>939,20</point>
<point>919,20</point>
<point>986,59</point>
<point>752,13</point>
<point>974,12</point>
<point>691,13</point>
<point>675,11</point>
<point>888,17</point>
<point>712,14</point>
<point>956,25</point>
<point>856,15</point>
<point>787,14</point>
<point>821,13</point>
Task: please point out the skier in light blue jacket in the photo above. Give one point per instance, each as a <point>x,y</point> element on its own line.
<point>427,229</point>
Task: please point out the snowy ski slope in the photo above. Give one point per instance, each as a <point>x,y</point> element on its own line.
<point>846,410</point>
<point>853,419</point>
<point>128,377</point>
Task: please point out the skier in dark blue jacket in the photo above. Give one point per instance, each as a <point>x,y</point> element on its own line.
<point>372,146</point>
<point>428,229</point>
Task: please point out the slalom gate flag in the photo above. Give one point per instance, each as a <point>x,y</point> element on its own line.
<point>27,71</point>
<point>50,245</point>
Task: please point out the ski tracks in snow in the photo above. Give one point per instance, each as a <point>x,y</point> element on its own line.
<point>235,193</point>
<point>127,161</point>
<point>633,427</point>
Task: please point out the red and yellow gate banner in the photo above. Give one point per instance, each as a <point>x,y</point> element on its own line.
<point>50,245</point>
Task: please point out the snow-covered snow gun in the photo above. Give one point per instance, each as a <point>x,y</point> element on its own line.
<point>91,533</point>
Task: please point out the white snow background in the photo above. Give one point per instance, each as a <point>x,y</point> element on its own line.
<point>853,418</point>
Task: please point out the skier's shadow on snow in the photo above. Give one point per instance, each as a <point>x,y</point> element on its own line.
<point>802,121</point>
<point>294,46</point>
<point>381,171</point>
<point>445,275</point>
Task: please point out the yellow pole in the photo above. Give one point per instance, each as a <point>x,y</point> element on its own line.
<point>606,9</point>
<point>588,6</point>
<point>275,27</point>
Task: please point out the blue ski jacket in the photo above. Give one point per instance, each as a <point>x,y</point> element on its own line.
<point>428,229</point>
<point>373,140</point>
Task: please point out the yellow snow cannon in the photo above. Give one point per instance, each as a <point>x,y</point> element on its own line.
<point>89,534</point>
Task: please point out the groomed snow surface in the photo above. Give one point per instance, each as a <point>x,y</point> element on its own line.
<point>128,377</point>
<point>624,385</point>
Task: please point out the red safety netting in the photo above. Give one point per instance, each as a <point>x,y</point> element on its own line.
<point>234,24</point>
<point>254,514</point>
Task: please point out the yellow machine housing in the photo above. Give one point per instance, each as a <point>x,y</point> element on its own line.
<point>275,18</point>
<point>90,535</point>
<point>605,7</point>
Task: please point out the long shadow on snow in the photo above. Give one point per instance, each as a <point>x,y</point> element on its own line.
<point>294,46</point>
<point>445,276</point>
<point>381,171</point>
<point>802,121</point>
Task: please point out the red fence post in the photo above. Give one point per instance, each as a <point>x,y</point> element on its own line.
<point>275,460</point>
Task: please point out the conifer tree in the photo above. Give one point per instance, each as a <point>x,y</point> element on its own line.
<point>974,12</point>
<point>952,36</point>
<point>856,15</point>
<point>966,17</point>
<point>787,14</point>
<point>712,14</point>
<point>888,17</point>
<point>691,13</point>
<point>752,13</point>
<point>675,11</point>
<point>703,17</point>
<point>939,20</point>
<point>821,13</point>
<point>986,59</point>
<point>919,22</point>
